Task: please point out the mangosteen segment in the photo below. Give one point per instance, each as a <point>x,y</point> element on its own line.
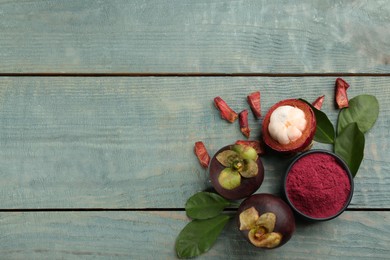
<point>286,124</point>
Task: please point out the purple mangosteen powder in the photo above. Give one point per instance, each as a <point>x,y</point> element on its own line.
<point>318,185</point>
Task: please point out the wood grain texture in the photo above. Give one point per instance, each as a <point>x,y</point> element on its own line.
<point>194,36</point>
<point>128,142</point>
<point>151,235</point>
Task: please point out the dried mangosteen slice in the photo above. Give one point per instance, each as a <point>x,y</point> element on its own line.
<point>289,126</point>
<point>265,220</point>
<point>236,171</point>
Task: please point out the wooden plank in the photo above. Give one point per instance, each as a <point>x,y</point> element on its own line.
<point>128,142</point>
<point>151,235</point>
<point>194,36</point>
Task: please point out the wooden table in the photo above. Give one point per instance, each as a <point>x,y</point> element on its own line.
<point>101,103</point>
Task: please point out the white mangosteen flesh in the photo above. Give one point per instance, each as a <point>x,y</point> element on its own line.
<point>287,124</point>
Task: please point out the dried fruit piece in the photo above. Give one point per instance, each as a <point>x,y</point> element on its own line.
<point>255,144</point>
<point>226,112</point>
<point>318,102</point>
<point>202,154</point>
<point>254,103</point>
<point>243,120</point>
<point>341,93</point>
<point>289,126</point>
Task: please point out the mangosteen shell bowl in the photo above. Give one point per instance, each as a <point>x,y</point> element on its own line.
<point>304,142</point>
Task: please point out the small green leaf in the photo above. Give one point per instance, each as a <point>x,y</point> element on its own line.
<point>349,145</point>
<point>325,130</point>
<point>199,236</point>
<point>363,109</point>
<point>204,205</point>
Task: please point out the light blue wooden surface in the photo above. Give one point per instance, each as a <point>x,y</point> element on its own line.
<point>128,142</point>
<point>194,36</point>
<point>100,167</point>
<point>151,235</point>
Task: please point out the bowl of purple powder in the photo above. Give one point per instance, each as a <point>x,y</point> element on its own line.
<point>318,185</point>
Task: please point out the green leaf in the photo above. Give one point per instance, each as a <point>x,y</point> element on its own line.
<point>363,109</point>
<point>205,205</point>
<point>325,130</point>
<point>199,236</point>
<point>349,145</point>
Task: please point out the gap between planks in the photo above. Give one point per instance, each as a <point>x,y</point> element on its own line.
<point>193,74</point>
<point>145,209</point>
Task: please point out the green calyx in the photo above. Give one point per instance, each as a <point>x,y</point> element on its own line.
<point>246,152</point>
<point>261,228</point>
<point>239,161</point>
<point>229,179</point>
<point>237,165</point>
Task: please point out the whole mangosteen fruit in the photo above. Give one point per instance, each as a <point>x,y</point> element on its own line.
<point>236,171</point>
<point>265,220</point>
<point>289,126</point>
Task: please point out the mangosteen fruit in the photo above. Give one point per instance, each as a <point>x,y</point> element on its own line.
<point>289,126</point>
<point>265,220</point>
<point>236,171</point>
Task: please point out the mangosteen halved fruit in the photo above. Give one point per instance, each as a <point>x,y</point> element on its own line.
<point>236,171</point>
<point>289,126</point>
<point>265,220</point>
